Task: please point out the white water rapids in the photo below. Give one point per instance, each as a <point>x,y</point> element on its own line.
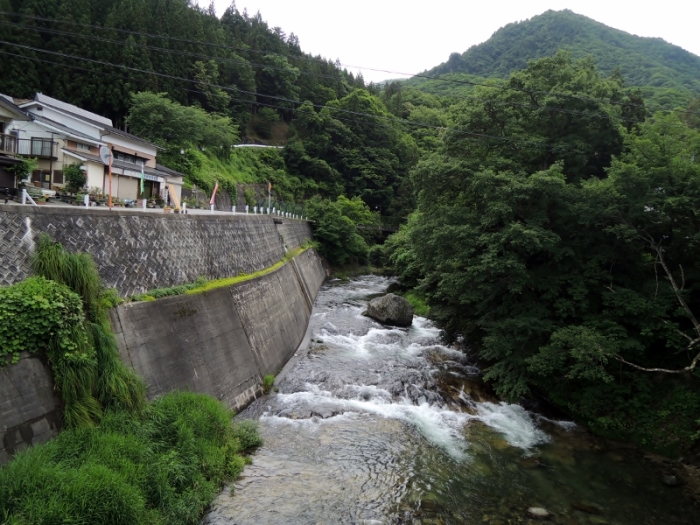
<point>384,425</point>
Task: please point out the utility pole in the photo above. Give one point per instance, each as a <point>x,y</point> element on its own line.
<point>51,161</point>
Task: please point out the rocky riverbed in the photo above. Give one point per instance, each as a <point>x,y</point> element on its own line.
<point>386,425</point>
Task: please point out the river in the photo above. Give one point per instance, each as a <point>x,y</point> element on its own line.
<point>379,425</point>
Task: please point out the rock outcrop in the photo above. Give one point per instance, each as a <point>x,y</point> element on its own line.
<point>391,309</point>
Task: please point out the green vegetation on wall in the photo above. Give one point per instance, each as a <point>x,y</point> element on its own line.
<point>63,312</point>
<point>99,375</point>
<point>120,460</point>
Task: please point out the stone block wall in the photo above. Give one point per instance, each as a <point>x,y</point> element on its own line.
<point>30,410</point>
<point>137,251</point>
<point>294,233</point>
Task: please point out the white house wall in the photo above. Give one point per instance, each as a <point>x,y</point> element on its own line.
<point>27,130</point>
<point>95,176</point>
<point>117,140</point>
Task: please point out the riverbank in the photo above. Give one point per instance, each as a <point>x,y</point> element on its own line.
<point>163,466</point>
<point>680,461</point>
<point>389,424</point>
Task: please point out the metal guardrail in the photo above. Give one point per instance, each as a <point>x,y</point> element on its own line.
<point>36,147</point>
<point>8,144</point>
<point>33,147</point>
<point>284,207</point>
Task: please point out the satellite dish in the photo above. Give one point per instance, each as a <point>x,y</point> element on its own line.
<point>105,155</point>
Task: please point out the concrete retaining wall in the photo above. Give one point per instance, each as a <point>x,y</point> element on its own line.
<point>137,251</point>
<point>221,342</point>
<point>29,408</point>
<point>224,341</point>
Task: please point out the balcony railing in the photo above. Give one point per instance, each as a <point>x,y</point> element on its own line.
<point>8,144</point>
<point>36,147</point>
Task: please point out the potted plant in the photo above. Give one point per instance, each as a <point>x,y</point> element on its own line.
<point>167,209</point>
<point>176,209</point>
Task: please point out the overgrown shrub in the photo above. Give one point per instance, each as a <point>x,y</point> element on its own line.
<point>91,377</point>
<point>335,228</point>
<point>161,467</point>
<point>377,256</point>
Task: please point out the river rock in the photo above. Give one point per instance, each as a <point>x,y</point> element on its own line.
<point>589,508</point>
<point>671,481</point>
<point>391,309</point>
<point>538,513</point>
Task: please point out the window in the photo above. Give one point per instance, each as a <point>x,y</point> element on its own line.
<point>83,147</point>
<point>41,147</point>
<point>58,176</point>
<point>125,157</point>
<point>36,176</point>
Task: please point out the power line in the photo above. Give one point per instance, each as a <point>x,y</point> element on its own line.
<point>591,114</point>
<point>539,144</point>
<point>326,62</point>
<point>171,51</point>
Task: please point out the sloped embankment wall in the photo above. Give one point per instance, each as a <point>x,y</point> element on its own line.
<point>224,341</point>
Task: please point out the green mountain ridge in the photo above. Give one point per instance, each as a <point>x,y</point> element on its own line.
<point>650,63</point>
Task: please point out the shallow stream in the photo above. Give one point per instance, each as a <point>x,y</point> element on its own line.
<point>379,425</point>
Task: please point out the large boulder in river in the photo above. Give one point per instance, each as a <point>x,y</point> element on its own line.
<point>391,309</point>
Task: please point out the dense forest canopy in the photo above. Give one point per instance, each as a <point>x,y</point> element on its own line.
<point>566,253</point>
<point>190,81</point>
<point>240,52</point>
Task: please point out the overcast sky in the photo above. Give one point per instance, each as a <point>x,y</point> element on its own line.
<point>411,36</point>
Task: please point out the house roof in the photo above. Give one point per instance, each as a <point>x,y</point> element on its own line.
<point>88,117</point>
<point>65,106</point>
<point>159,171</point>
<point>111,130</point>
<point>6,160</point>
<point>172,173</point>
<point>65,129</point>
<point>7,103</point>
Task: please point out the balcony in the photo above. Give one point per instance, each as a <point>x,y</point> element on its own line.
<point>8,144</point>
<point>37,147</point>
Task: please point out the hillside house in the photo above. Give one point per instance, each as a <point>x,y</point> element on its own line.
<point>77,136</point>
<point>9,114</point>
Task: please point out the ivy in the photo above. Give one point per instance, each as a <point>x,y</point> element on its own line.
<point>42,315</point>
<point>63,313</point>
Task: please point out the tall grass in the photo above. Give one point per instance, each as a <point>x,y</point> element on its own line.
<point>418,302</point>
<point>88,385</point>
<point>163,466</point>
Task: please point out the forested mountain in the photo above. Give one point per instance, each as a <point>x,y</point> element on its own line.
<point>669,72</point>
<point>71,44</point>
<point>195,83</point>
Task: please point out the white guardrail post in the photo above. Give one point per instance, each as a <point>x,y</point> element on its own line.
<point>26,196</point>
